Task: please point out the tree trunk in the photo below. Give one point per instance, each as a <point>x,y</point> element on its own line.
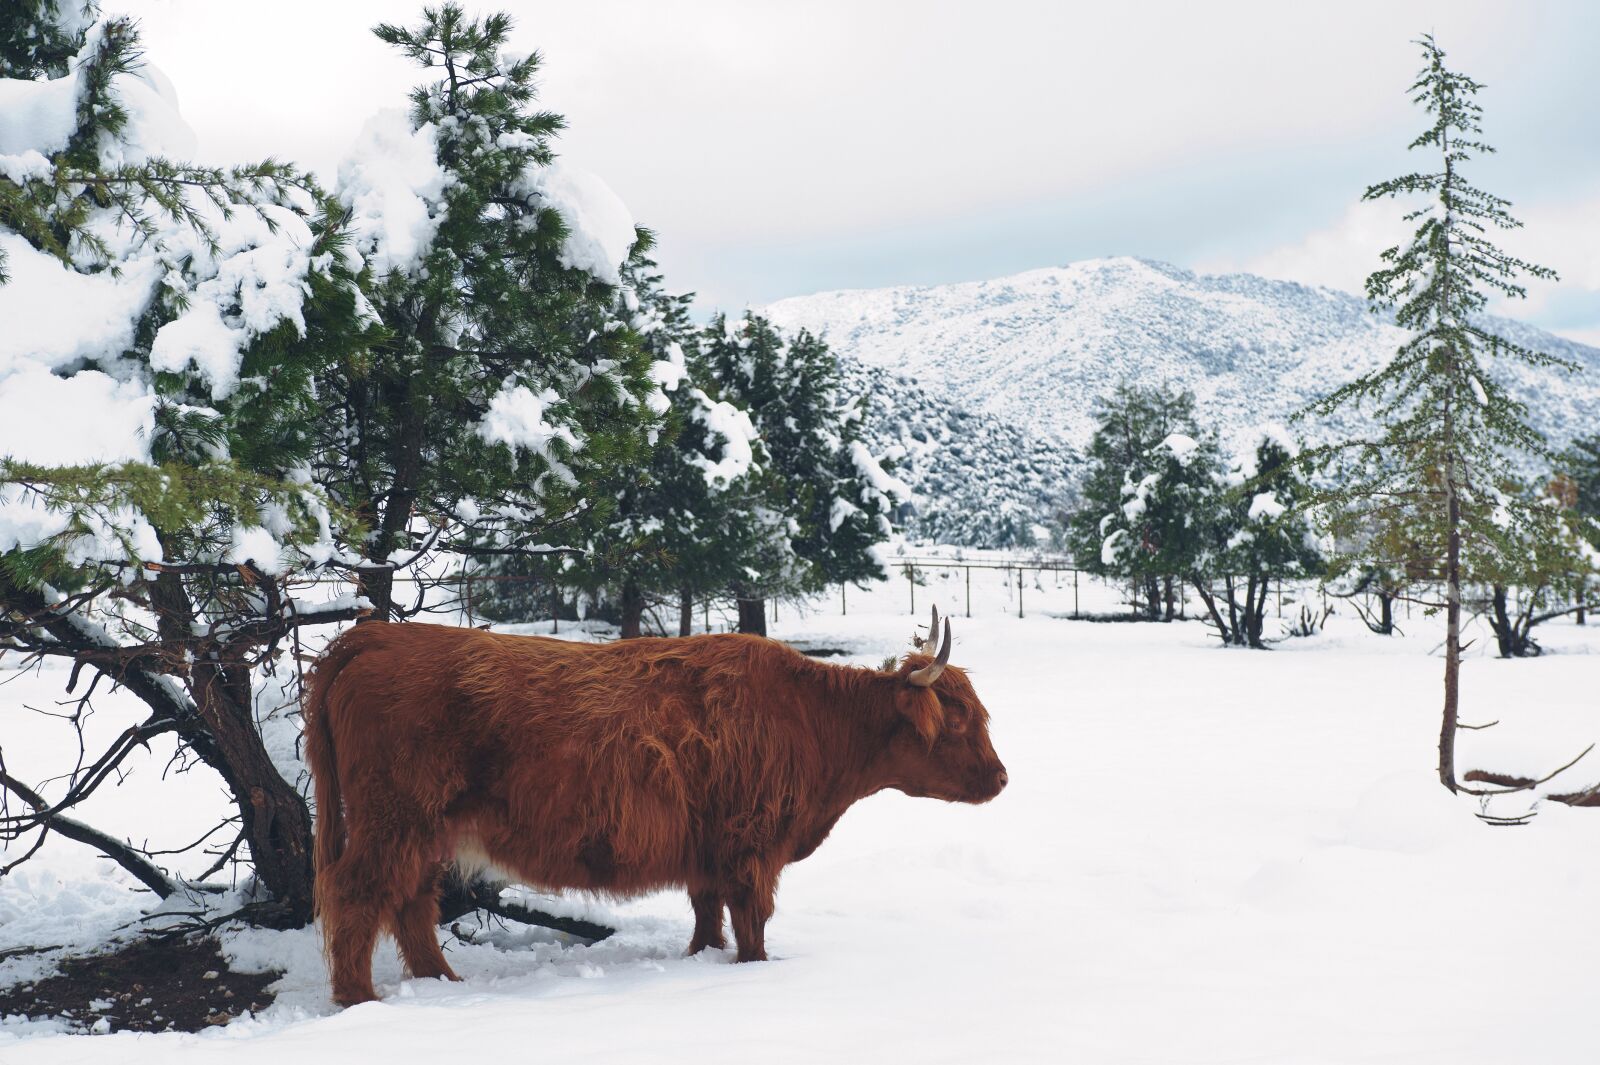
<point>1211,608</point>
<point>1385,614</point>
<point>275,820</point>
<point>685,612</point>
<point>1166,591</point>
<point>753,616</point>
<point>1234,632</point>
<point>632,610</point>
<point>1500,623</point>
<point>273,816</point>
<point>1152,598</point>
<point>1452,639</point>
<point>1255,610</point>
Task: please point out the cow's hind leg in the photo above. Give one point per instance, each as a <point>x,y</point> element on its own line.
<point>707,921</point>
<point>350,921</point>
<point>415,930</point>
<point>364,892</point>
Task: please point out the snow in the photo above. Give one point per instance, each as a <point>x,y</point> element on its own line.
<point>1204,855</point>
<point>394,187</point>
<point>1319,849</point>
<point>516,418</point>
<point>733,425</point>
<point>878,479</point>
<point>154,127</point>
<point>253,282</point>
<point>43,293</point>
<point>37,116</point>
<point>111,420</point>
<point>600,229</point>
<point>1034,351</point>
<point>253,544</point>
<point>1265,505</point>
<point>1180,446</point>
<point>256,284</point>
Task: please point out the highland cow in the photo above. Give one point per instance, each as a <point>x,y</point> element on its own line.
<point>705,762</point>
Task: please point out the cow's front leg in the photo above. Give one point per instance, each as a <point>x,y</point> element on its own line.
<point>707,921</point>
<point>751,904</point>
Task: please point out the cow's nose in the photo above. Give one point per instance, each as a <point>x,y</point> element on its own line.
<point>1001,780</point>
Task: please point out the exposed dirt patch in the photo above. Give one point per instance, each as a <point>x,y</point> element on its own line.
<point>149,985</point>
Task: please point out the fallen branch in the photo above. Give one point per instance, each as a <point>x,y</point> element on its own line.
<point>461,899</point>
<point>1506,784</point>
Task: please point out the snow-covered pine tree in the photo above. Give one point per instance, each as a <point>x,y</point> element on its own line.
<point>834,493</point>
<point>1166,524</point>
<point>1580,465</point>
<point>38,38</point>
<point>162,326</point>
<point>1446,428</point>
<point>1543,570</point>
<point>510,382</point>
<point>1132,422</point>
<point>1262,532</point>
<point>685,526</point>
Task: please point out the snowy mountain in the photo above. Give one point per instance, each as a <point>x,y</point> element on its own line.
<point>980,479</point>
<point>1034,351</point>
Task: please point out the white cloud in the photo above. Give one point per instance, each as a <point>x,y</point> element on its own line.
<point>740,131</point>
<point>1340,255</point>
<point>1561,234</point>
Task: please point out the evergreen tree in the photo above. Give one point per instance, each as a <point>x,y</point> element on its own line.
<point>1132,423</point>
<point>38,38</point>
<point>1439,462</point>
<point>834,495</point>
<point>1166,520</point>
<point>685,526</point>
<point>1542,573</point>
<point>1260,532</point>
<point>1581,465</point>
<point>510,381</point>
<point>213,297</point>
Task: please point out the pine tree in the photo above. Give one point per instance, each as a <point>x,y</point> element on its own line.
<point>1167,520</point>
<point>38,38</point>
<point>1438,466</point>
<point>832,493</point>
<point>1543,571</point>
<point>1260,532</point>
<point>1581,464</point>
<point>510,382</point>
<point>686,525</point>
<point>163,569</point>
<point>1131,423</point>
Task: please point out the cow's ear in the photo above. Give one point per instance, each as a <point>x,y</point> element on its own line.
<point>922,708</point>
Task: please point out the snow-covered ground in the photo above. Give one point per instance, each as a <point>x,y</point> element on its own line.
<point>1204,855</point>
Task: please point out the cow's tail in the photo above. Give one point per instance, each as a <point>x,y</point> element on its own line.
<point>317,705</point>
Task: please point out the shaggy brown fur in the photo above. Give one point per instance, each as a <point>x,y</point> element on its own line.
<point>706,762</point>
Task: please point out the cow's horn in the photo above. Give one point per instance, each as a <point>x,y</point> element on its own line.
<point>929,673</point>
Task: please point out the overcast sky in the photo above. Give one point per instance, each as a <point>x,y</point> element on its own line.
<point>786,148</point>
